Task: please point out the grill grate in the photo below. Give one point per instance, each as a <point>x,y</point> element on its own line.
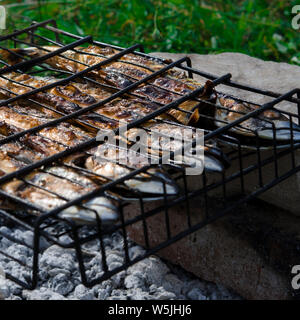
<point>49,225</point>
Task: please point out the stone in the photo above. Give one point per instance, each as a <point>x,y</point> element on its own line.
<point>156,271</point>
<point>114,265</point>
<point>55,271</point>
<point>118,294</point>
<point>103,290</point>
<point>114,259</point>
<point>2,272</point>
<point>162,294</point>
<point>57,257</point>
<point>135,252</point>
<point>118,279</point>
<point>103,294</point>
<point>61,283</point>
<point>201,285</point>
<point>138,294</point>
<point>238,251</point>
<point>27,237</point>
<point>152,288</point>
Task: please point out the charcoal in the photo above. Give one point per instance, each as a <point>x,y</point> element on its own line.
<point>59,276</point>
<point>82,293</point>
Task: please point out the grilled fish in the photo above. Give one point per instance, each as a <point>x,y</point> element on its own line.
<point>263,124</point>
<point>125,109</point>
<point>55,139</point>
<point>228,108</point>
<point>27,83</point>
<point>13,120</point>
<point>233,109</point>
<point>70,98</point>
<point>119,109</point>
<point>121,74</point>
<point>102,163</point>
<point>166,137</point>
<point>53,188</point>
<point>52,192</point>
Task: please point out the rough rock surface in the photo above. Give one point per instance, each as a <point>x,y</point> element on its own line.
<point>251,250</point>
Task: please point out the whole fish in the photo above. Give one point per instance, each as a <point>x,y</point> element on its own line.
<point>13,120</point>
<point>56,191</point>
<point>163,137</point>
<point>26,83</point>
<point>233,109</point>
<point>115,163</point>
<point>70,98</point>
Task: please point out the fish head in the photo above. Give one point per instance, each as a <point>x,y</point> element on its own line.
<point>277,126</point>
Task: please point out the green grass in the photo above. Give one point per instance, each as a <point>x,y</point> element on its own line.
<point>259,28</point>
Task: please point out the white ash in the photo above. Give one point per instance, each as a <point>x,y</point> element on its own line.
<point>149,279</point>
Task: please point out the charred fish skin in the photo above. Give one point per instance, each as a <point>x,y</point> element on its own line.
<point>49,98</point>
<point>46,140</point>
<point>70,99</point>
<point>158,95</point>
<point>120,75</point>
<point>188,109</point>
<point>118,109</point>
<point>12,121</point>
<point>101,206</point>
<point>24,83</point>
<point>262,125</point>
<point>125,109</point>
<point>149,92</point>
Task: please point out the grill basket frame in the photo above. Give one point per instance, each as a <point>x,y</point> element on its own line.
<point>39,225</point>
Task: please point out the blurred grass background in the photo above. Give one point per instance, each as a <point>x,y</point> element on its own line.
<point>259,28</point>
